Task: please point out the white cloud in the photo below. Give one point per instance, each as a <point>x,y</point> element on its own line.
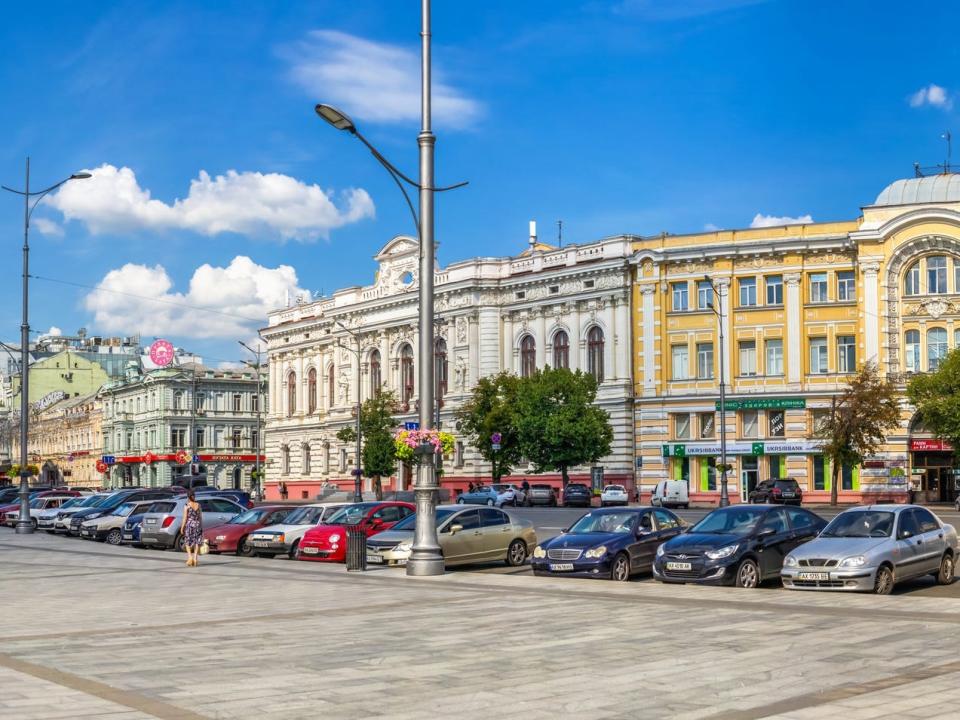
<point>47,227</point>
<point>54,331</point>
<point>221,302</point>
<point>248,203</point>
<point>761,221</point>
<point>373,81</point>
<point>933,95</point>
<point>710,227</point>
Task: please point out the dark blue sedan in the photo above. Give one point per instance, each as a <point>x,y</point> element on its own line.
<point>609,543</point>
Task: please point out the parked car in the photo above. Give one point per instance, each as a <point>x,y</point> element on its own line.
<point>234,536</point>
<point>241,497</point>
<point>112,502</point>
<point>37,505</point>
<point>614,495</point>
<point>871,549</point>
<point>46,518</point>
<point>467,535</point>
<point>671,493</point>
<point>610,543</point>
<point>328,542</point>
<point>542,494</point>
<point>577,494</point>
<point>284,538</point>
<point>786,491</point>
<point>510,494</point>
<point>488,495</point>
<point>109,528</point>
<point>161,526</point>
<point>740,545</point>
<point>61,521</point>
<point>14,504</point>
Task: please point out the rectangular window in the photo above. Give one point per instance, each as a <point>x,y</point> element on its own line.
<point>237,401</point>
<point>774,357</point>
<point>776,423</point>
<point>912,282</point>
<point>255,439</point>
<point>254,402</point>
<point>818,419</point>
<point>200,437</point>
<point>680,299</point>
<point>748,358</point>
<point>774,285</point>
<point>235,438</point>
<point>819,473</point>
<point>178,437</point>
<point>711,471</point>
<point>749,423</point>
<point>681,362</point>
<point>846,288</point>
<point>818,356</point>
<point>708,425</point>
<point>748,292</point>
<point>458,454</point>
<point>818,287</point>
<point>937,274</point>
<point>774,466</point>
<point>681,427</point>
<point>846,354</point>
<point>705,360</point>
<point>705,295</point>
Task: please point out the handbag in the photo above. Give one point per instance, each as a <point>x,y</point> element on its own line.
<point>204,547</point>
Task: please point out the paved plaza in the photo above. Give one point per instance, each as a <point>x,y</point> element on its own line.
<point>93,631</point>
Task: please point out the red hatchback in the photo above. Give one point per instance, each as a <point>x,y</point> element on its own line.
<point>328,542</point>
<point>232,537</point>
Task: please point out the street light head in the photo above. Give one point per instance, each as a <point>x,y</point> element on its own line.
<point>81,176</point>
<point>340,120</point>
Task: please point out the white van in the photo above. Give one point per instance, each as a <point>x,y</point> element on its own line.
<point>671,493</point>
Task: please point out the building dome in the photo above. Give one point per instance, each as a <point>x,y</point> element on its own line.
<point>915,191</point>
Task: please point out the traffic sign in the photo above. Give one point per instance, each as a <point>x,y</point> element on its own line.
<point>102,467</point>
<point>496,438</point>
<point>196,460</point>
<point>411,426</point>
<point>109,460</point>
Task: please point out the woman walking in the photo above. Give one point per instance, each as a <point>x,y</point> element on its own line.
<point>192,529</point>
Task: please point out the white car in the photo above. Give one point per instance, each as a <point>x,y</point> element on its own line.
<point>61,516</point>
<point>47,517</point>
<point>284,538</point>
<point>614,495</point>
<point>509,494</point>
<point>109,528</point>
<point>48,502</point>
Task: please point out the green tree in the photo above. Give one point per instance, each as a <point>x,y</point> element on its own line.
<point>558,424</point>
<point>377,425</point>
<point>491,409</point>
<point>859,421</point>
<point>936,396</point>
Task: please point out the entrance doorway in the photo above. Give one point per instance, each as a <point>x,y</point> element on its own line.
<point>937,483</point>
<point>749,475</point>
<point>237,475</point>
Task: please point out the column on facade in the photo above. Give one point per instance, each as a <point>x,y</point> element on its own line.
<point>723,288</point>
<point>609,333</point>
<point>541,336</point>
<point>622,340</point>
<point>576,327</point>
<point>386,376</point>
<point>648,346</point>
<point>473,359</point>
<point>871,311</point>
<point>301,384</point>
<point>507,342</point>
<point>794,355</point>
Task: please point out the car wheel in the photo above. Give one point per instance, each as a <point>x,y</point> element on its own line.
<point>883,585</point>
<point>114,537</point>
<point>517,553</point>
<point>620,568</point>
<point>748,574</point>
<point>945,574</point>
<point>294,553</point>
<point>33,523</point>
<point>244,547</point>
<point>179,544</point>
<point>489,503</point>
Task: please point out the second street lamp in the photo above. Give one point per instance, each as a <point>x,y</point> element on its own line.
<point>724,495</point>
<point>30,202</point>
<point>358,471</point>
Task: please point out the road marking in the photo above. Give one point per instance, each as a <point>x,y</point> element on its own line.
<point>133,700</point>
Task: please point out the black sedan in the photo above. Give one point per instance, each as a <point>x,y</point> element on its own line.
<point>610,543</point>
<point>741,545</point>
<point>577,494</point>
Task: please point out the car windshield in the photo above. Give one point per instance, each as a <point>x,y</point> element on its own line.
<point>96,501</point>
<point>305,516</point>
<point>410,521</point>
<point>787,484</point>
<point>500,488</point>
<point>614,488</point>
<point>250,517</point>
<point>36,503</point>
<point>576,487</point>
<point>72,503</point>
<point>621,522</point>
<point>350,515</point>
<point>730,521</point>
<point>860,524</point>
<point>124,510</point>
<point>482,489</point>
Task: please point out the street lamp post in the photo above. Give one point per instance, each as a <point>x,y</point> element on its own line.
<point>357,493</point>
<point>256,449</point>
<point>24,526</point>
<point>724,495</point>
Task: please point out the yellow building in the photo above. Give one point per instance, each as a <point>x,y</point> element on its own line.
<point>800,308</point>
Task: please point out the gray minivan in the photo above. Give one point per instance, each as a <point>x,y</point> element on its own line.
<point>161,526</point>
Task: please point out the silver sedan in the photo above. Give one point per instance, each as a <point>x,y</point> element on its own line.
<point>871,549</point>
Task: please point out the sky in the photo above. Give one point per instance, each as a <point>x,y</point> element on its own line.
<point>217,193</point>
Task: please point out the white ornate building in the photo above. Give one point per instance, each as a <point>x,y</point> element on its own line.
<point>559,307</point>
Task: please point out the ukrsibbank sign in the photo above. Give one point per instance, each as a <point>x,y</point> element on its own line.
<point>769,447</point>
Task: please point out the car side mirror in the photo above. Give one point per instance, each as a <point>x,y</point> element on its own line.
<point>455,528</point>
<point>376,522</point>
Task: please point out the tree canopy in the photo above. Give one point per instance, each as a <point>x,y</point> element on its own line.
<point>377,424</point>
<point>936,397</point>
<point>492,409</point>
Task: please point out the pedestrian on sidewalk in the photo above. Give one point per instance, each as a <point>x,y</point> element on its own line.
<point>283,491</point>
<point>470,487</point>
<point>192,529</point>
<point>911,491</point>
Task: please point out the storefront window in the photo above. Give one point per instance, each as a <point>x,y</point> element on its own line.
<point>749,424</point>
<point>710,473</point>
<point>819,473</point>
<point>775,466</point>
<point>777,425</point>
<point>749,473</point>
<point>846,477</point>
<point>682,470</point>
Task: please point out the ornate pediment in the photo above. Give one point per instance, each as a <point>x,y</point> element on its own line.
<point>935,308</point>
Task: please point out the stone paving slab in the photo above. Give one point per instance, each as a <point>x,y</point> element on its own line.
<point>126,633</point>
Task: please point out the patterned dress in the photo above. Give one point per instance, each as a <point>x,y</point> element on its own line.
<point>193,532</point>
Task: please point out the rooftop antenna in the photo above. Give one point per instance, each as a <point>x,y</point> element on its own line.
<point>560,232</point>
<point>949,138</point>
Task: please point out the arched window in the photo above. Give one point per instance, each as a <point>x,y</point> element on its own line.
<point>911,341</point>
<point>595,353</point>
<point>911,282</point>
<point>305,461</point>
<point>528,356</point>
<point>440,360</point>
<point>561,350</point>
<point>177,400</point>
<point>376,379</point>
<point>291,393</point>
<point>406,374</point>
<point>936,347</point>
<point>312,391</point>
<point>330,383</point>
<point>937,275</point>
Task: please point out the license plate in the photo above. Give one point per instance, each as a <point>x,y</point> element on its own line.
<point>560,567</point>
<point>788,495</point>
<point>814,576</point>
<point>376,559</point>
<point>260,543</point>
<point>679,566</point>
<point>310,551</point>
<point>151,521</point>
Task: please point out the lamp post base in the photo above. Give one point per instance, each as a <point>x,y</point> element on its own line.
<point>24,525</point>
<point>426,558</point>
<point>724,494</point>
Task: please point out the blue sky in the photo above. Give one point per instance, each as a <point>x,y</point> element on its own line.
<point>638,116</point>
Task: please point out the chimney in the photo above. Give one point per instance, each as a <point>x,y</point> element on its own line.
<point>533,234</point>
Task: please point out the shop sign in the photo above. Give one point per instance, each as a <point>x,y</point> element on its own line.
<point>765,404</point>
<point>711,449</point>
<point>228,458</point>
<point>874,463</point>
<point>930,445</point>
<point>793,447</point>
<point>917,471</point>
